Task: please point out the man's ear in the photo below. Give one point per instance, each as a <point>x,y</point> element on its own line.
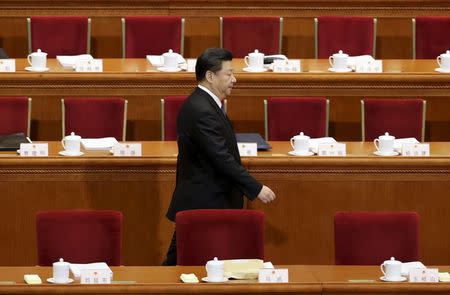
<point>209,76</point>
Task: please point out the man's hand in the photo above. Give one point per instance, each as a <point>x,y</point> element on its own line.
<point>266,195</point>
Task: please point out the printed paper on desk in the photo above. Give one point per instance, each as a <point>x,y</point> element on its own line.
<point>34,149</point>
<point>375,66</point>
<point>416,150</point>
<point>94,65</point>
<point>248,149</point>
<point>332,149</point>
<point>7,65</point>
<point>424,275</point>
<point>127,150</point>
<point>276,275</point>
<point>95,276</point>
<point>287,66</point>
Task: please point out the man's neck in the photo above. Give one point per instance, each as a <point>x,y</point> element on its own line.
<point>207,86</point>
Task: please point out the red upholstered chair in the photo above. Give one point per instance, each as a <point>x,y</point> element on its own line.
<point>223,233</point>
<point>143,35</point>
<point>369,238</point>
<point>95,117</point>
<point>243,34</point>
<point>285,117</point>
<point>15,115</point>
<point>79,236</point>
<point>353,35</point>
<point>430,36</point>
<point>59,35</point>
<point>400,117</point>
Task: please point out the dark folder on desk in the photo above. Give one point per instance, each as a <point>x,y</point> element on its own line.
<point>12,142</point>
<point>253,137</point>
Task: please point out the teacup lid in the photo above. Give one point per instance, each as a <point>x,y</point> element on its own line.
<point>256,52</point>
<point>215,262</point>
<point>60,262</point>
<point>392,261</point>
<point>170,52</point>
<point>446,54</point>
<point>72,136</point>
<point>340,54</point>
<point>39,53</point>
<point>386,136</point>
<point>301,136</point>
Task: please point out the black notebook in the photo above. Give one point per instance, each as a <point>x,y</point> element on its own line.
<point>12,142</point>
<point>253,137</point>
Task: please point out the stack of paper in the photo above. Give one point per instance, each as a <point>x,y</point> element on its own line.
<point>99,144</point>
<point>76,268</point>
<point>406,266</point>
<point>314,143</point>
<point>243,269</point>
<point>353,60</point>
<point>400,141</point>
<point>69,61</point>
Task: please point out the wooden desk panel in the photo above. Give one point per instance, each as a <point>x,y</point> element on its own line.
<point>299,224</point>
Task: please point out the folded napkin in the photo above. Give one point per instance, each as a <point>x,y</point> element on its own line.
<point>406,266</point>
<point>69,61</point>
<point>76,268</point>
<point>189,278</point>
<point>157,60</point>
<point>99,144</point>
<point>400,141</point>
<point>353,60</point>
<point>314,143</point>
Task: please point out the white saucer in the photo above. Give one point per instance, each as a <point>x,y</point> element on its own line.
<point>205,279</point>
<point>402,279</point>
<point>250,70</point>
<point>394,153</point>
<point>340,71</point>
<point>441,70</point>
<point>169,70</point>
<point>31,69</point>
<point>64,153</point>
<point>293,153</point>
<point>51,280</point>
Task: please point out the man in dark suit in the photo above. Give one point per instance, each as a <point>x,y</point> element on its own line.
<point>209,170</point>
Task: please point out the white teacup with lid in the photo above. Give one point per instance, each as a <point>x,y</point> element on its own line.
<point>300,144</point>
<point>255,60</point>
<point>71,144</point>
<point>339,61</point>
<point>444,61</point>
<point>38,60</point>
<point>384,144</point>
<point>392,270</point>
<point>215,270</point>
<point>61,271</point>
<point>170,60</point>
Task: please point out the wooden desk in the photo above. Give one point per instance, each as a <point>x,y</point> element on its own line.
<point>299,224</point>
<point>143,86</point>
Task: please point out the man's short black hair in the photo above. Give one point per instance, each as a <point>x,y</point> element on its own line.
<point>211,60</point>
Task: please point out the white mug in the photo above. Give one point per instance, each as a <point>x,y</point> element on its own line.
<point>61,271</point>
<point>300,144</point>
<point>338,61</point>
<point>392,269</point>
<point>444,60</point>
<point>384,144</point>
<point>215,270</point>
<point>255,60</point>
<point>38,59</point>
<point>170,59</point>
<point>71,143</point>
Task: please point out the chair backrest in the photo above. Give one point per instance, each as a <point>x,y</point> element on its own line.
<point>225,233</point>
<point>353,35</point>
<point>155,35</point>
<point>95,117</point>
<point>369,238</point>
<point>401,117</point>
<point>79,236</point>
<point>430,36</point>
<point>243,34</point>
<point>170,107</point>
<point>15,115</point>
<point>59,35</point>
<point>285,117</point>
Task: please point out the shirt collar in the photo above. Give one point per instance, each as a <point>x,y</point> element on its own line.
<point>216,99</point>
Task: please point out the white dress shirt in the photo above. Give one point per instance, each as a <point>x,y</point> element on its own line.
<point>216,99</point>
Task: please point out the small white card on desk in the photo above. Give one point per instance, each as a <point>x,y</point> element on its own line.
<point>34,149</point>
<point>416,150</point>
<point>372,66</point>
<point>248,149</point>
<point>95,276</point>
<point>287,66</point>
<point>424,275</point>
<point>275,275</point>
<point>93,65</point>
<point>127,150</point>
<point>332,150</point>
<point>7,65</point>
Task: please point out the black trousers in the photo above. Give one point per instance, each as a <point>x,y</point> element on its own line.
<point>171,258</point>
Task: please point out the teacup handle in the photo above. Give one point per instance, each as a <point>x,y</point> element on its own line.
<point>246,60</point>
<point>292,143</point>
<point>62,143</point>
<point>331,61</point>
<point>375,143</point>
<point>29,60</point>
<point>382,269</point>
<point>438,59</point>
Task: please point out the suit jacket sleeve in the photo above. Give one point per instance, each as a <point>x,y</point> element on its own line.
<point>208,133</point>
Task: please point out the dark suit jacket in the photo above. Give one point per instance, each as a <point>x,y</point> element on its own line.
<point>3,53</point>
<point>209,170</point>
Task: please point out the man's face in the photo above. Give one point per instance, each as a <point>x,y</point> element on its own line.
<point>224,80</point>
